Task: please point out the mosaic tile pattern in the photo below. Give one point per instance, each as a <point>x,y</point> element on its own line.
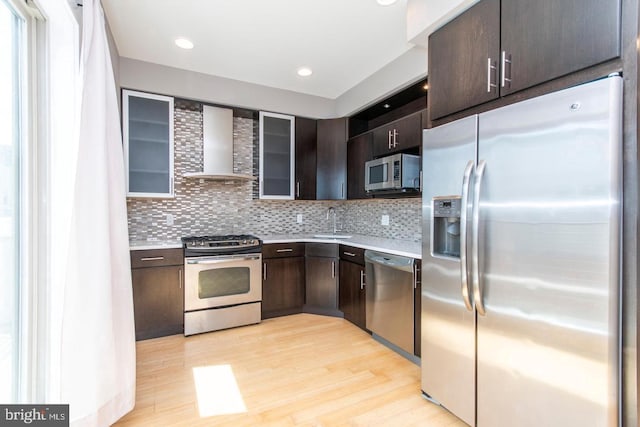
<point>364,216</point>
<point>222,207</point>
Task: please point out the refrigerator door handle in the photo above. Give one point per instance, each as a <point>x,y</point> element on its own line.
<point>464,272</point>
<point>475,227</point>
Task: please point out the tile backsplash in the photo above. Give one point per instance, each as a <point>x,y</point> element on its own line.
<point>221,207</point>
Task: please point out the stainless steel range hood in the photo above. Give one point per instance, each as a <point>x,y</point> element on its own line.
<point>217,135</point>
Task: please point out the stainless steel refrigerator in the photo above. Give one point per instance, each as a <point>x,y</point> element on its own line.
<point>521,261</point>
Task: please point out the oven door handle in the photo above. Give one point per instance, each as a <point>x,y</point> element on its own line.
<point>221,259</point>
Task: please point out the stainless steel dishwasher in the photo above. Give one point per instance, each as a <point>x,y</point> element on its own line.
<point>389,301</point>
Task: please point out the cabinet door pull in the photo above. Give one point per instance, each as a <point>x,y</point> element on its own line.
<point>180,278</point>
<point>395,138</point>
<point>298,189</point>
<point>490,67</point>
<point>152,258</point>
<point>284,250</point>
<point>349,253</point>
<point>333,269</point>
<point>389,139</point>
<point>361,280</point>
<point>264,271</point>
<point>504,79</point>
<point>342,189</point>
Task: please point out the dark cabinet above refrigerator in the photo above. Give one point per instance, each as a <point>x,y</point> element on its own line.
<point>498,47</point>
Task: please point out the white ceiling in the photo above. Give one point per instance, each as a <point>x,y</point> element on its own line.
<point>265,41</point>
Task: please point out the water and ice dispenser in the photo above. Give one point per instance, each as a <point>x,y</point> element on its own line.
<point>446,226</point>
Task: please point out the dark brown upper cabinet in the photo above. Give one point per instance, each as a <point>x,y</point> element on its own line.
<point>306,157</point>
<point>401,135</point>
<point>545,39</point>
<point>359,151</point>
<point>496,48</point>
<point>331,168</point>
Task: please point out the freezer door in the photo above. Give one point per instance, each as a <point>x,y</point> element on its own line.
<point>549,237</point>
<point>448,326</point>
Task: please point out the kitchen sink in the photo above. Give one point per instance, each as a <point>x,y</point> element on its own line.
<point>332,236</point>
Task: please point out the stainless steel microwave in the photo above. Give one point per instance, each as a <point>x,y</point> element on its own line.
<point>396,173</point>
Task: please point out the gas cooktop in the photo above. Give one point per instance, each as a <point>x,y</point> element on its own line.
<point>227,244</point>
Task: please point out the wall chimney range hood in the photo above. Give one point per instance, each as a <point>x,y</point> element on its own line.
<point>217,154</point>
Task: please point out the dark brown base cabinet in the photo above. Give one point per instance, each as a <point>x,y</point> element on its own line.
<point>283,279</point>
<point>158,295</point>
<point>352,295</point>
<point>321,271</point>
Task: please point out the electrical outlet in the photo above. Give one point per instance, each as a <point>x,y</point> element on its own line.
<point>299,218</point>
<point>384,220</point>
<point>169,219</point>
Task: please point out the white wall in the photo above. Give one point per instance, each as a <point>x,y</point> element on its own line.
<point>423,17</point>
<point>426,16</point>
<point>404,71</point>
<point>165,80</point>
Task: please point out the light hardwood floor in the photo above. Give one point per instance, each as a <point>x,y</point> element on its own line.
<point>300,370</point>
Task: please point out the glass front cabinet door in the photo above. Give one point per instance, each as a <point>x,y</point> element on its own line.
<point>147,128</point>
<point>277,156</point>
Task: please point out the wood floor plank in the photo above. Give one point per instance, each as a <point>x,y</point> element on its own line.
<point>300,370</point>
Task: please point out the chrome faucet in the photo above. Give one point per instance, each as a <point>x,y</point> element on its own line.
<point>331,211</point>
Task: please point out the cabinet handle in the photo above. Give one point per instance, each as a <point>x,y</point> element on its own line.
<point>333,269</point>
<point>361,280</point>
<point>505,61</point>
<point>490,67</point>
<point>395,138</point>
<point>342,189</point>
<point>389,139</point>
<point>298,189</point>
<point>152,258</point>
<point>284,250</point>
<point>171,187</point>
<point>416,270</point>
<point>349,253</point>
<point>264,271</point>
<point>180,278</point>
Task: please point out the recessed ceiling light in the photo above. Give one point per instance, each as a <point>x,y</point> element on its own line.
<point>426,86</point>
<point>386,2</point>
<point>304,71</point>
<point>184,43</point>
<point>386,105</point>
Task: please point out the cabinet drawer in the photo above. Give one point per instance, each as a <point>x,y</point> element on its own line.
<point>156,257</point>
<point>352,254</point>
<point>328,250</point>
<point>281,250</point>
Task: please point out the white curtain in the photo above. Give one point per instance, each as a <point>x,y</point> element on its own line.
<point>98,339</point>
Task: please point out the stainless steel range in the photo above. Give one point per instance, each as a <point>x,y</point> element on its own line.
<point>223,287</point>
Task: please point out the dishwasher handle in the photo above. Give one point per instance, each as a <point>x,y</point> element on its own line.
<point>392,261</point>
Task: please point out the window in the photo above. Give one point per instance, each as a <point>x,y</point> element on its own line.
<point>10,144</point>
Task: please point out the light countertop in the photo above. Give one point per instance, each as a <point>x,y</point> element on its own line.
<point>142,245</point>
<point>407,248</point>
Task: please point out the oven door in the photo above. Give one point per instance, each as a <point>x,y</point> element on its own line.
<point>222,280</point>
